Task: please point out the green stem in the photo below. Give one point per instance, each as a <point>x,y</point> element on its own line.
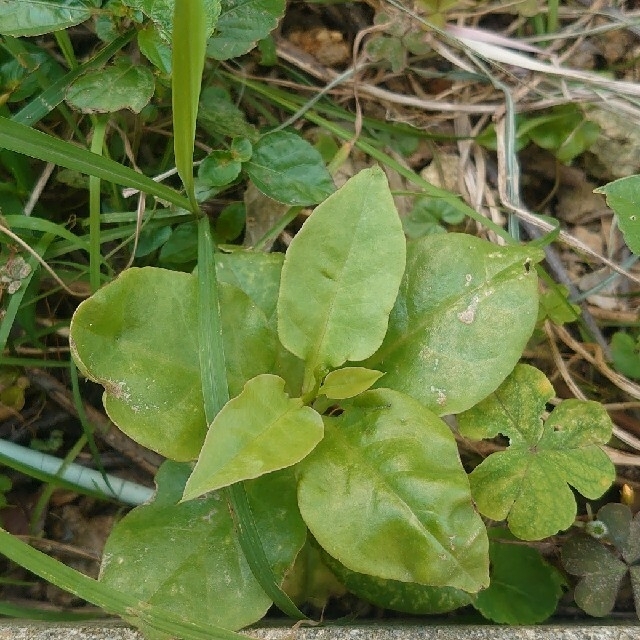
<point>95,258</point>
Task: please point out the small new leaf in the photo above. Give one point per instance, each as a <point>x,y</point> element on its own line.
<point>259,431</point>
<point>348,382</point>
<point>529,482</point>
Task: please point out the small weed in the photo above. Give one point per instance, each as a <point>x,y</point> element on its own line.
<point>297,396</point>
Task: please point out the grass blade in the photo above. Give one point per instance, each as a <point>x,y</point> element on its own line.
<point>112,601</point>
<point>22,139</point>
<point>216,394</point>
<point>187,62</point>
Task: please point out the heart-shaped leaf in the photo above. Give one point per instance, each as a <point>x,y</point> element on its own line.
<point>528,483</point>
<point>259,431</point>
<point>463,315</point>
<point>386,495</point>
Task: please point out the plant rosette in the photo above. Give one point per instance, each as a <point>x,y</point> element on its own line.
<point>340,359</point>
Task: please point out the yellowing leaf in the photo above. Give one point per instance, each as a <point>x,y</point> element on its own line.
<point>528,484</point>
<point>341,275</point>
<point>259,431</point>
<point>463,315</point>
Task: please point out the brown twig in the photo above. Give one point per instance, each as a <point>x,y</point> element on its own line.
<point>147,460</point>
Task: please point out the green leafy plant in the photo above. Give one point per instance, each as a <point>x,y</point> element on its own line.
<point>297,415</point>
<point>298,397</point>
<point>566,131</point>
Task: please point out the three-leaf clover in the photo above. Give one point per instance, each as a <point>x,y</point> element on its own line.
<point>603,567</point>
<point>528,483</point>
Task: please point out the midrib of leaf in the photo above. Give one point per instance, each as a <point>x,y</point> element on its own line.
<point>313,363</point>
<point>356,454</point>
<point>425,319</point>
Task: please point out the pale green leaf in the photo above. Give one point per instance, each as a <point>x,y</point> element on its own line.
<point>274,504</point>
<point>138,337</point>
<point>123,85</point>
<point>348,382</point>
<point>528,483</point>
<point>257,274</point>
<point>463,315</point>
<point>341,275</point>
<point>250,344</point>
<point>241,24</point>
<point>36,17</point>
<point>259,431</point>
<point>623,196</point>
<point>288,169</point>
<point>159,552</point>
<point>386,495</point>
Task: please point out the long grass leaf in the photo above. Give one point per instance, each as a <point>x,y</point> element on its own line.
<point>22,139</point>
<point>95,257</point>
<point>108,599</point>
<point>216,394</point>
<point>190,33</point>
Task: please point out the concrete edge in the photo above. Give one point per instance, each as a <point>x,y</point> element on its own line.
<point>108,630</point>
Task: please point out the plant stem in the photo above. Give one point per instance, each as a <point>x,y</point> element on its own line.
<point>97,142</point>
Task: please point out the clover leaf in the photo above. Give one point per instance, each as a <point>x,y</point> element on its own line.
<point>528,483</point>
<point>603,568</point>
